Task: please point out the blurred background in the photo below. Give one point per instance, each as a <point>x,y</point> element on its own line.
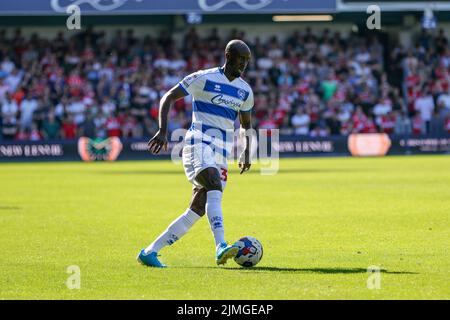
<point>319,68</point>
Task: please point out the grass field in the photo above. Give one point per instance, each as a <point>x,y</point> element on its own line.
<point>322,222</point>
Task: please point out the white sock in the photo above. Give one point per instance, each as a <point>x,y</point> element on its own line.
<point>214,213</point>
<point>174,232</point>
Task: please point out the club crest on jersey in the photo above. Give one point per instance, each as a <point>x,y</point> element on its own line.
<point>241,94</point>
<point>217,87</point>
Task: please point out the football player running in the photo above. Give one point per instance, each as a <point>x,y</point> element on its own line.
<point>219,96</point>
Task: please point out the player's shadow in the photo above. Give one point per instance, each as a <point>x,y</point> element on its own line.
<point>9,208</point>
<point>316,270</point>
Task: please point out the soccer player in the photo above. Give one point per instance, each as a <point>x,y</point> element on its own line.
<point>220,95</point>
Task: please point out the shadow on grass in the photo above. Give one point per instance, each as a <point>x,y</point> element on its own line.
<point>9,208</point>
<point>308,270</point>
<point>319,270</point>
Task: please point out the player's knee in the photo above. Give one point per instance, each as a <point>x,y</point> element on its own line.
<point>198,206</point>
<point>214,184</point>
<point>200,210</point>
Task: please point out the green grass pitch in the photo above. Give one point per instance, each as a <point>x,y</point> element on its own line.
<point>322,222</point>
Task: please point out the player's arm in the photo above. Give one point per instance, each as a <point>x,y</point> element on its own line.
<point>160,139</point>
<point>245,118</point>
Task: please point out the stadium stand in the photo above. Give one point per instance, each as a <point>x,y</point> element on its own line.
<point>307,84</point>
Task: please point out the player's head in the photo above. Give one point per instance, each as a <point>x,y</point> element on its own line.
<point>237,55</point>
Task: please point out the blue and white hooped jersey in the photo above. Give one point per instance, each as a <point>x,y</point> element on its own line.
<point>216,103</point>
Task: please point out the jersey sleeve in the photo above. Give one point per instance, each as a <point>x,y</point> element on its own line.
<point>248,104</point>
<point>192,83</point>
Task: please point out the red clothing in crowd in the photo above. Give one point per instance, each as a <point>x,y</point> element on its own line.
<point>279,116</point>
<point>346,128</point>
<point>442,75</point>
<point>387,124</point>
<point>417,125</point>
<point>113,127</point>
<point>447,125</point>
<point>35,135</point>
<point>70,130</point>
<point>411,81</point>
<point>369,127</point>
<point>268,123</point>
<point>127,127</point>
<point>22,136</point>
<point>359,122</point>
<point>179,105</point>
<point>18,96</point>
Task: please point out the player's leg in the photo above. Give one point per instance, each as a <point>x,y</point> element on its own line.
<point>198,201</point>
<point>210,179</point>
<point>178,228</point>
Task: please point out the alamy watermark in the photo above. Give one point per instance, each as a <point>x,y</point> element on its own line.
<point>73,22</point>
<point>222,146</point>
<point>374,20</point>
<point>374,278</point>
<point>74,280</point>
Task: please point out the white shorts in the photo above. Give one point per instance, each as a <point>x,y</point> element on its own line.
<point>199,156</point>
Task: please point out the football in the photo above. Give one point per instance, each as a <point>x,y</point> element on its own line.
<point>250,252</point>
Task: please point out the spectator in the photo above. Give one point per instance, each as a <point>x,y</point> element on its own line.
<point>100,125</point>
<point>69,128</point>
<point>35,134</point>
<point>425,105</point>
<point>127,126</point>
<point>329,87</point>
<point>27,108</point>
<point>443,102</point>
<point>23,134</point>
<point>369,126</point>
<point>437,123</point>
<point>112,125</point>
<point>40,114</point>
<point>76,109</point>
<point>7,65</point>
<point>301,122</point>
<point>359,120</point>
<point>319,131</point>
<point>402,123</point>
<point>447,123</point>
<point>387,124</point>
<point>9,108</point>
<point>418,124</point>
<point>4,89</point>
<point>108,107</point>
<point>51,128</point>
<point>9,127</point>
<point>13,79</point>
<point>381,109</point>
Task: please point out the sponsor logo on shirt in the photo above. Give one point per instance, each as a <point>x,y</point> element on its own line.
<point>220,100</point>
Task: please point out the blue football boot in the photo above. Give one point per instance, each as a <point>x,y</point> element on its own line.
<point>150,259</point>
<point>225,252</point>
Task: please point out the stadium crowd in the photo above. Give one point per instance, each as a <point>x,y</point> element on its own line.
<point>311,85</point>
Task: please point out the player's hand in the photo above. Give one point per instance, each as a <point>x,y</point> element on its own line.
<point>157,142</point>
<point>244,161</point>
